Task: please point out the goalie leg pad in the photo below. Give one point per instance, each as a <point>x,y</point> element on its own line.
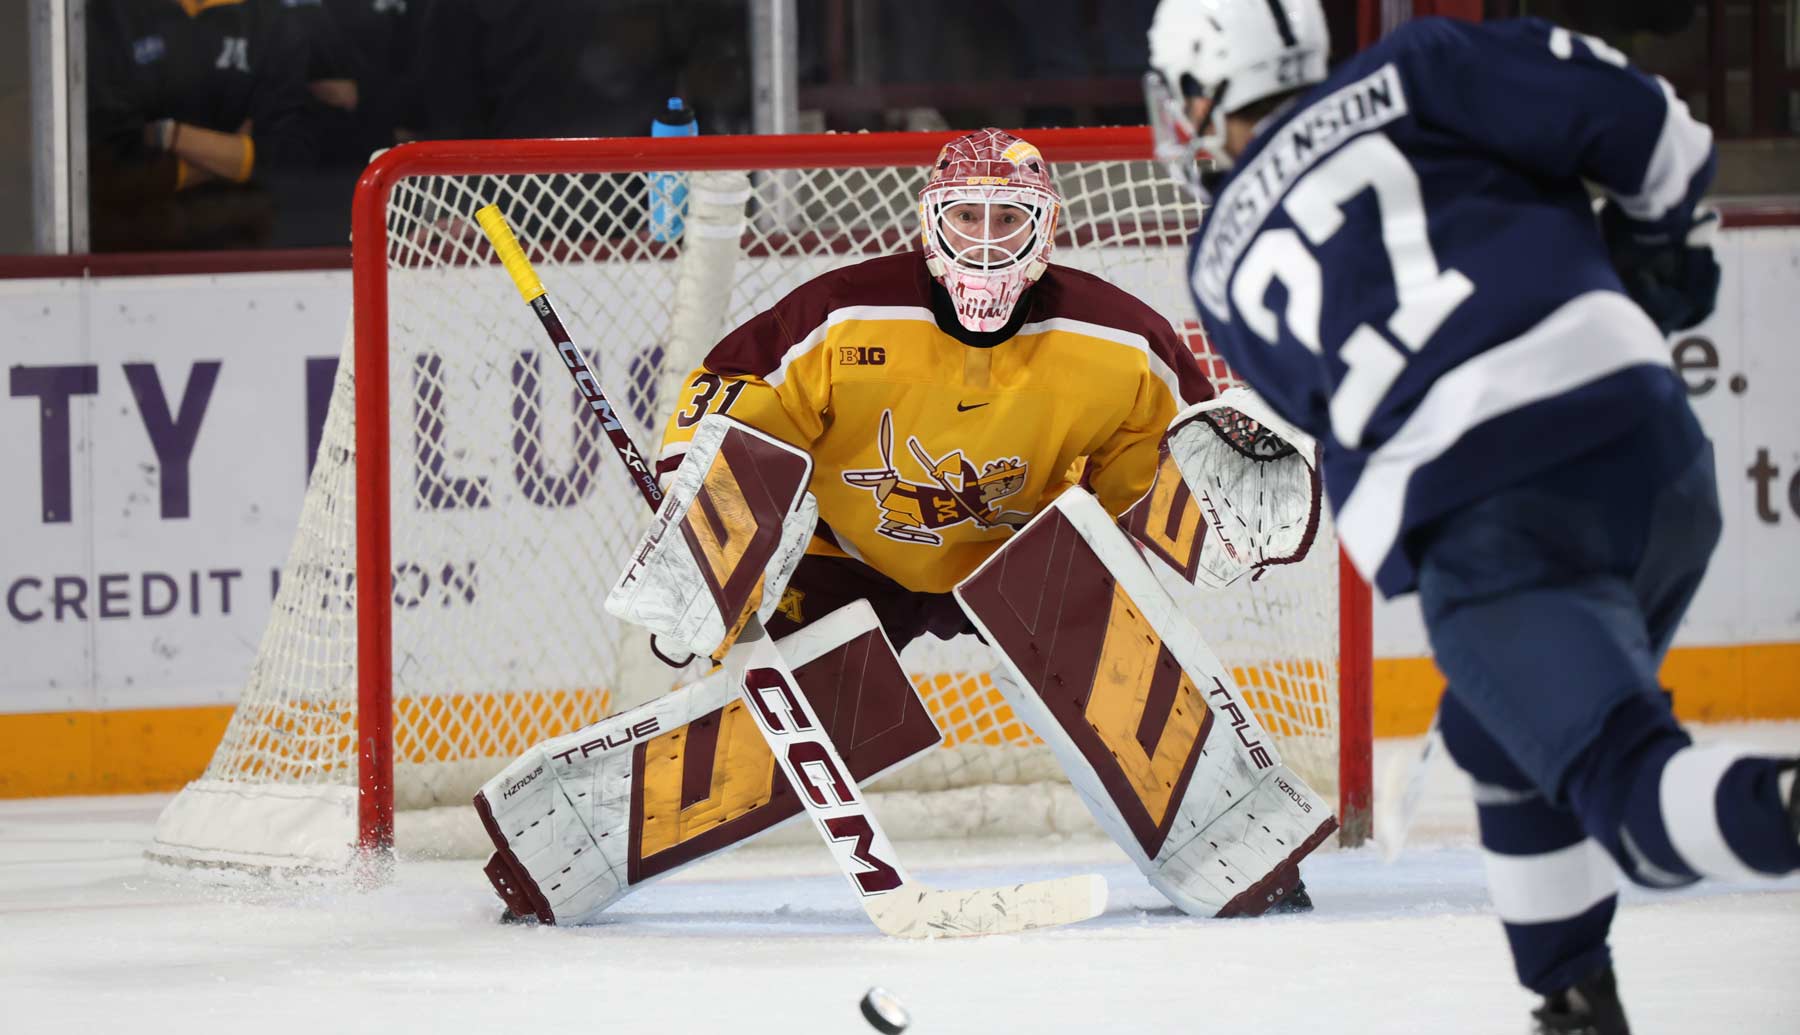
<point>581,820</point>
<point>1151,729</point>
<point>730,531</point>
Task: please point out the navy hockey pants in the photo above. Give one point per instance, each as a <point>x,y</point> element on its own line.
<point>1549,607</point>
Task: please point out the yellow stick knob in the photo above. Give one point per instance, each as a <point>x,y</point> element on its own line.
<point>493,224</point>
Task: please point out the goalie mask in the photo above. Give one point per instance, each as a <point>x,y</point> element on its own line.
<point>1231,54</point>
<point>988,219</point>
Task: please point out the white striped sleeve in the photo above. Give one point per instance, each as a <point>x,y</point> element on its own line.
<point>1681,154</point>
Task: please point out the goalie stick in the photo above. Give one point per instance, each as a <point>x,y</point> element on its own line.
<point>1402,789</point>
<point>898,905</point>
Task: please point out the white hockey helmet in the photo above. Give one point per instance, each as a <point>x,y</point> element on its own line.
<point>1233,53</point>
<point>987,221</point>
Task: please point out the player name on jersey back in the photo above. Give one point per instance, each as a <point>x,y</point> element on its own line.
<point>1405,264</point>
<point>1366,104</point>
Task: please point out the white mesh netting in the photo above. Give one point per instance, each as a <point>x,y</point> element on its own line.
<point>510,519</point>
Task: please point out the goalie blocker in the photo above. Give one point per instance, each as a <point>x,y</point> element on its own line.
<point>731,529</point>
<point>1149,726</point>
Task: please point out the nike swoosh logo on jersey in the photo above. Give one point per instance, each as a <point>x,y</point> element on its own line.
<point>960,408</point>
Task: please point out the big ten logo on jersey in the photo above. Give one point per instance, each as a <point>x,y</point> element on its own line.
<point>862,355</point>
<point>955,492</point>
<point>1113,688</point>
<point>234,54</point>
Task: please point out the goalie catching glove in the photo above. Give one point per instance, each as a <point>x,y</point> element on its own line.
<point>1236,491</point>
<point>731,530</point>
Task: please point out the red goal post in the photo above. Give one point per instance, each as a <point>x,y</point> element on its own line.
<point>473,645</point>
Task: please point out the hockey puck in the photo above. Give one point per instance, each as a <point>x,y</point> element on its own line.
<point>884,1012</point>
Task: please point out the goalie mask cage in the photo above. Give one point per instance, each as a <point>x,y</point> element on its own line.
<point>440,610</point>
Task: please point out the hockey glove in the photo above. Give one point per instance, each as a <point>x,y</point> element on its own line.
<point>731,530</point>
<point>1669,272</point>
<point>1254,490</point>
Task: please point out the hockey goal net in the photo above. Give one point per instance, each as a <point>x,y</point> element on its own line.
<point>440,610</point>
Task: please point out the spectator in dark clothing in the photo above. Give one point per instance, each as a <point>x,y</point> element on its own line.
<point>332,69</point>
<point>562,68</point>
<point>359,63</point>
<point>361,56</point>
<point>191,104</point>
<point>581,68</point>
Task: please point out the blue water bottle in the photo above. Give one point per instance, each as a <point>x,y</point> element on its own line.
<point>668,190</point>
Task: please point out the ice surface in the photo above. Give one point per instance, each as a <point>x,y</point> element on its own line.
<point>769,940</point>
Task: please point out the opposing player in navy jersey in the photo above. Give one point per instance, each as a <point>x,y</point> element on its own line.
<point>1401,257</point>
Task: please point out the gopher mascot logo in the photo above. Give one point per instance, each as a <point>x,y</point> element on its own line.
<point>910,511</point>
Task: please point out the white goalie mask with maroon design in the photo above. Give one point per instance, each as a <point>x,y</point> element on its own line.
<point>987,216</point>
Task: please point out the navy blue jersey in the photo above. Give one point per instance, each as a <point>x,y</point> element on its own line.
<point>1405,263</point>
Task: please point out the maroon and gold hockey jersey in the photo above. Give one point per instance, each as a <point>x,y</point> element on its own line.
<point>932,443</point>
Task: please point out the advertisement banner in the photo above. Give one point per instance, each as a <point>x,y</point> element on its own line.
<point>156,436</point>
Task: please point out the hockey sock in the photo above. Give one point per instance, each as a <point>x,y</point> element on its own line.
<point>1556,901</point>
<point>1672,811</point>
<point>1552,886</point>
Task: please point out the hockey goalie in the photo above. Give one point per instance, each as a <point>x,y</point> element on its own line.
<point>958,439</point>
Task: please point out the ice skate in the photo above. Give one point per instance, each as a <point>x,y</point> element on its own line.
<point>1589,1007</point>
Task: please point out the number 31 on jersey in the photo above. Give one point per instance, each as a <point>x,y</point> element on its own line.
<point>703,392</point>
